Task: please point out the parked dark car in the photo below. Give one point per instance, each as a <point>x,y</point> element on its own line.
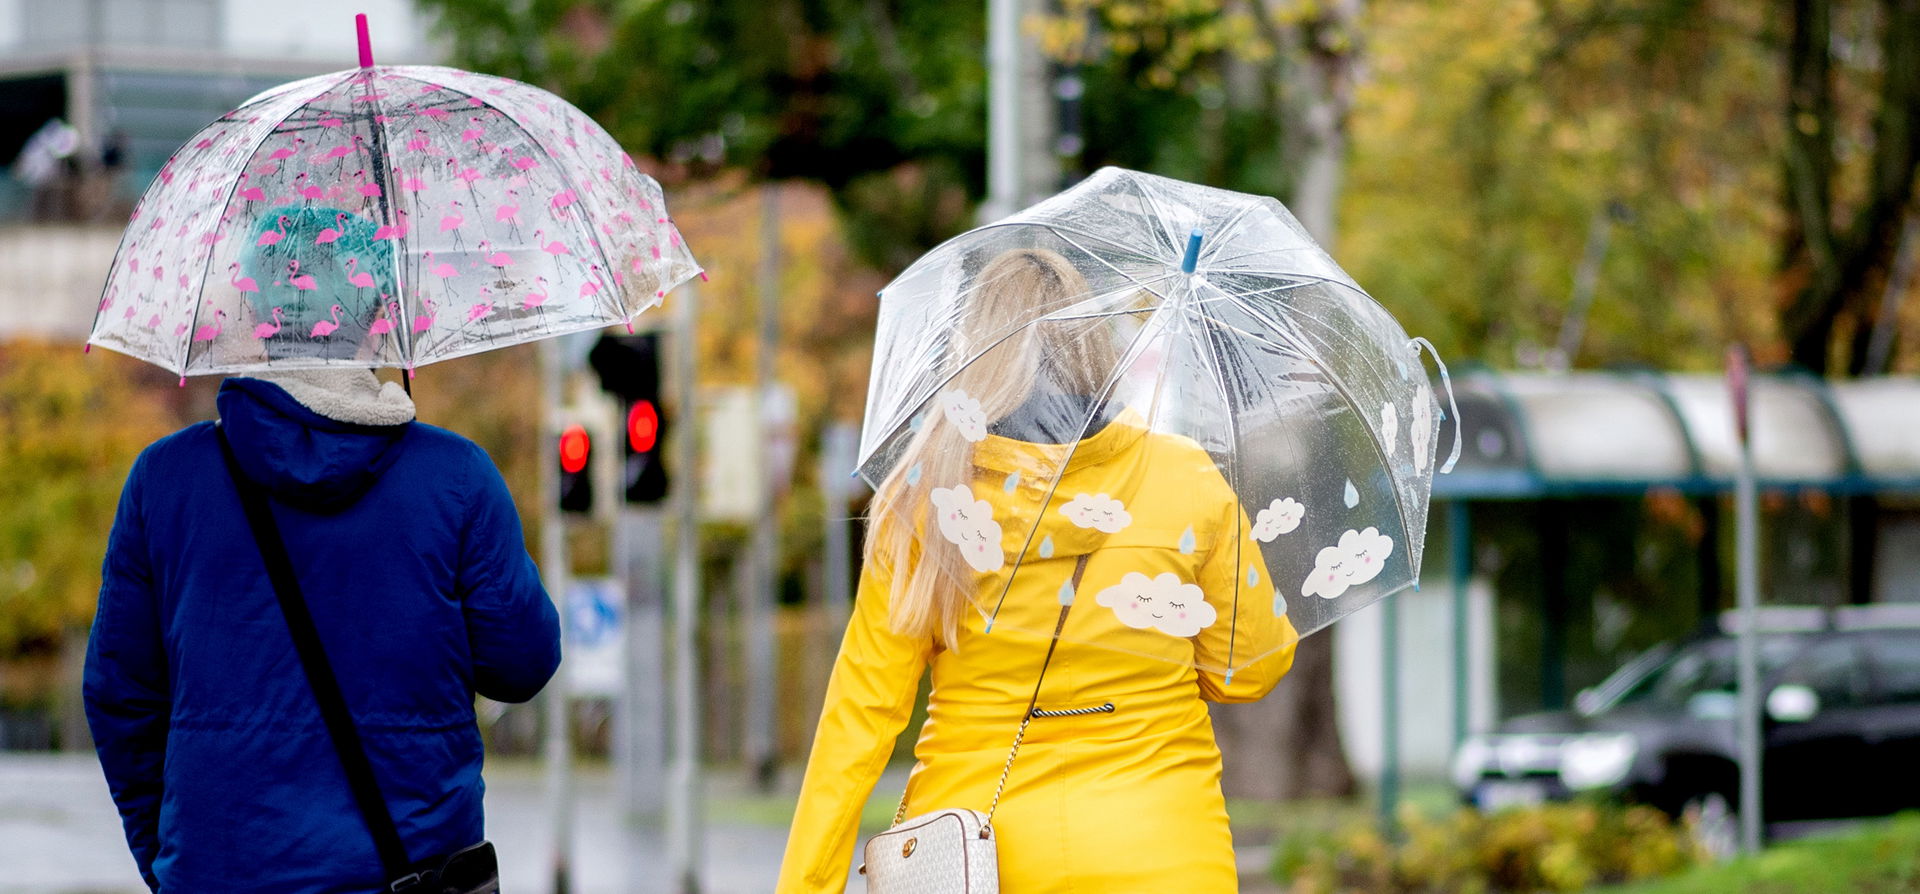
<point>1841,726</point>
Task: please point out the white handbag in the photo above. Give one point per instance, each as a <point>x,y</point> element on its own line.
<point>944,852</point>
<point>953,851</point>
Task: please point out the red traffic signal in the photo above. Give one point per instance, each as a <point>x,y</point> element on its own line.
<point>576,482</point>
<point>643,426</point>
<point>574,449</point>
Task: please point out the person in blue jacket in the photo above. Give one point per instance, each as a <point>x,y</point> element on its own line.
<point>411,559</point>
<point>410,554</point>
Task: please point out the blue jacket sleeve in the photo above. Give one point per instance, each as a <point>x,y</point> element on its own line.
<point>128,699</point>
<point>512,626</point>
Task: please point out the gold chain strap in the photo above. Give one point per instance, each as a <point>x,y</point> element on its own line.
<point>1079,569</point>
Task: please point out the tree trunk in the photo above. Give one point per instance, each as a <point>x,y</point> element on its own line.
<point>1288,745</point>
<point>1832,268</point>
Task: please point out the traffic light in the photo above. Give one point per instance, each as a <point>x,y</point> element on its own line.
<point>576,478</point>
<point>629,368</point>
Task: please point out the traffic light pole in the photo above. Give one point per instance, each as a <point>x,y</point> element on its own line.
<point>761,606</point>
<point>684,837</point>
<point>640,727</point>
<point>557,749</point>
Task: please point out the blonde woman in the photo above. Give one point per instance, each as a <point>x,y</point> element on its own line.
<point>1120,800</point>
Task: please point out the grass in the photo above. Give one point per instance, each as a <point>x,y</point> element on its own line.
<point>1883,858</point>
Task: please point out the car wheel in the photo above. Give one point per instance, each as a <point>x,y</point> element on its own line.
<point>1714,824</point>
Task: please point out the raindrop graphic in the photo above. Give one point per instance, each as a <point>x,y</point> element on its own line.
<point>1066,592</point>
<point>1046,547</point>
<point>1253,576</point>
<point>913,478</point>
<point>1013,481</point>
<point>1186,541</point>
<point>913,424</point>
<point>1279,605</point>
<point>1353,494</point>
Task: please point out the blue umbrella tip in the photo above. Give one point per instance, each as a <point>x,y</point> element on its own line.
<point>1229,680</point>
<point>1192,259</point>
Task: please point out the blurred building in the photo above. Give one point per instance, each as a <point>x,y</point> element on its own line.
<point>95,95</point>
<point>1589,519</point>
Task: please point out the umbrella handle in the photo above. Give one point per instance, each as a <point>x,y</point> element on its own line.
<point>1453,409</point>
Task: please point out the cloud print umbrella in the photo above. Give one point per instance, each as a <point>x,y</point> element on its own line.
<point>386,216</point>
<point>1151,369</point>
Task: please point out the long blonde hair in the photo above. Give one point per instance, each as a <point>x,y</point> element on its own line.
<point>1002,344</point>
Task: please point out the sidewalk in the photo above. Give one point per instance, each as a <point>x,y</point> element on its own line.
<point>60,834</point>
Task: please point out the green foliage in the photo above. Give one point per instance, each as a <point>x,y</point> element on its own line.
<point>833,91</point>
<point>1556,847</point>
<point>70,427</point>
<point>1881,859</point>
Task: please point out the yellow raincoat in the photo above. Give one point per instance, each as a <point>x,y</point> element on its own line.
<point>1122,802</point>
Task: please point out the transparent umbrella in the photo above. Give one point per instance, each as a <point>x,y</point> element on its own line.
<point>386,216</point>
<point>1155,369</point>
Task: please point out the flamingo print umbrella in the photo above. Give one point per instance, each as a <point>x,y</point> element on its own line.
<point>386,216</point>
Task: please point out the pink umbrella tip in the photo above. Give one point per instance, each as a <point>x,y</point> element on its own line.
<point>703,276</point>
<point>366,44</point>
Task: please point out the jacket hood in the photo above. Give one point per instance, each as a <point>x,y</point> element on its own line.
<point>304,458</point>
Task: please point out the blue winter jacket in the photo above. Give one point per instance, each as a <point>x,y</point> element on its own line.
<point>409,553</point>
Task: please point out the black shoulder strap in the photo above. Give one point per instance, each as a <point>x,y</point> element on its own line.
<point>313,658</point>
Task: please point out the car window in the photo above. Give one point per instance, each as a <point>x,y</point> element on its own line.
<point>1835,670</point>
<point>1896,666</point>
<point>1708,666</point>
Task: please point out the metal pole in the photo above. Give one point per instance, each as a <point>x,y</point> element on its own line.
<point>557,750</point>
<point>759,601</point>
<point>1390,714</point>
<point>1460,539</point>
<point>641,727</point>
<point>684,834</point>
<point>1003,110</point>
<point>1747,562</point>
<point>839,450</point>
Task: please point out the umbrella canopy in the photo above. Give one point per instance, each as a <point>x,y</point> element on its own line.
<point>386,216</point>
<point>1205,326</point>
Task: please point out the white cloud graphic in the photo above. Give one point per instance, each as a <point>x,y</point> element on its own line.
<point>963,410</point>
<point>968,523</point>
<point>1389,427</point>
<point>1280,517</point>
<point>1356,559</point>
<point>1164,603</point>
<point>1097,511</point>
<point>1420,425</point>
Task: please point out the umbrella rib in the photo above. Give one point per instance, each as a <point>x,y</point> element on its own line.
<point>1233,440</point>
<point>1340,387</point>
<point>403,332</point>
<point>1159,213</point>
<point>1229,225</point>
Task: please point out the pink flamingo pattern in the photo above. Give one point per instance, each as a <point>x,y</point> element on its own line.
<point>302,281</point>
<point>324,328</point>
<point>384,148</point>
<point>268,330</point>
<point>360,278</point>
<point>384,325</point>
<point>243,283</point>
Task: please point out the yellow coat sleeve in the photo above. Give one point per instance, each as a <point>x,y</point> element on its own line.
<point>869,698</point>
<point>1234,577</point>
